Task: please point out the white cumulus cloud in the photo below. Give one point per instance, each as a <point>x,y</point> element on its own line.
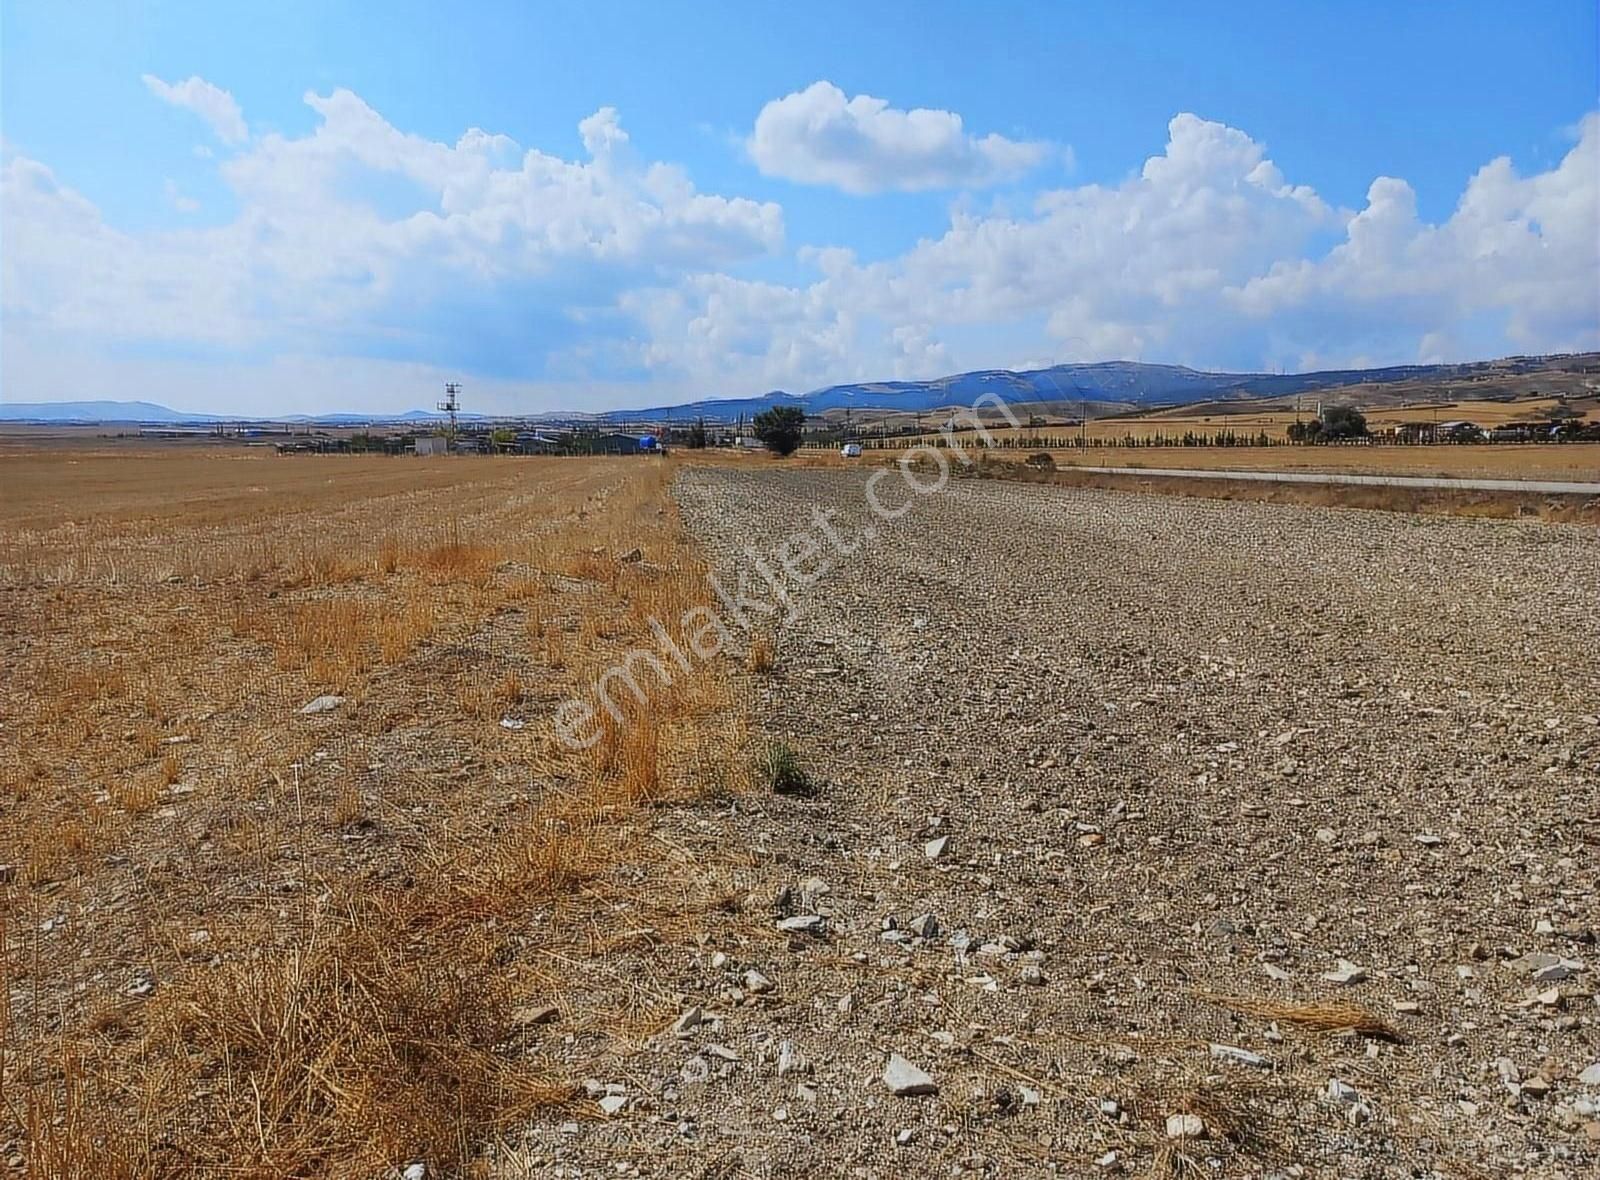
<point>213,104</point>
<point>863,145</point>
<point>1206,256</point>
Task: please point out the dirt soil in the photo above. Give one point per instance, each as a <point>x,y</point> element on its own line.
<point>1272,845</point>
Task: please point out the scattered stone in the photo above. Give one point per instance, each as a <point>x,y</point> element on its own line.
<point>1242,1056</point>
<point>1347,1096</point>
<point>757,983</point>
<point>613,1103</point>
<point>414,1172</point>
<point>695,1070</point>
<point>687,1022</point>
<point>1345,973</point>
<point>925,926</point>
<point>790,1060</point>
<point>1407,1007</point>
<point>906,1080</point>
<point>935,848</point>
<point>723,1052</point>
<point>803,924</point>
<point>1537,1086</point>
<point>1031,975</point>
<point>1185,1126</point>
<point>542,1014</point>
<point>323,704</point>
<point>1556,972</point>
<point>1591,1076</point>
<point>512,723</point>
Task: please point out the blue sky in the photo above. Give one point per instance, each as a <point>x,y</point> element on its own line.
<point>286,207</point>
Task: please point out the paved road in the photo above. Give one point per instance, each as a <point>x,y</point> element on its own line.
<point>1542,487</point>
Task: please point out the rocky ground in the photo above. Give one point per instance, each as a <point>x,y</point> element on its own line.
<point>1121,810</point>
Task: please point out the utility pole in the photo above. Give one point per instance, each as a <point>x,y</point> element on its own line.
<point>452,406</point>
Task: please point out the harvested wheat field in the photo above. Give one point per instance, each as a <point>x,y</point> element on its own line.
<point>1564,461</point>
<point>296,879</point>
<point>1048,831</point>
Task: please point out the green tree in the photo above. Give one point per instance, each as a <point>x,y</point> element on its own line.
<point>1343,422</point>
<point>779,428</point>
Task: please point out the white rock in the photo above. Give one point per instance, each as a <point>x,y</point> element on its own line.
<point>613,1103</point>
<point>790,1060</point>
<point>935,848</point>
<point>414,1172</point>
<point>1557,971</point>
<point>803,924</point>
<point>1345,973</point>
<point>322,704</point>
<point>1591,1076</point>
<point>906,1080</point>
<point>925,926</point>
<point>688,1022</point>
<point>1340,1092</point>
<point>756,982</point>
<point>1242,1056</point>
<point>1185,1126</point>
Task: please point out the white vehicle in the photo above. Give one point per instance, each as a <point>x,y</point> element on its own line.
<point>851,450</point>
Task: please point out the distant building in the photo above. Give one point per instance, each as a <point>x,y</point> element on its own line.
<point>433,444</point>
<point>542,442</point>
<point>617,442</point>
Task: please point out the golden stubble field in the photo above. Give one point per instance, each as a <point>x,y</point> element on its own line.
<point>240,939</point>
<point>1563,461</point>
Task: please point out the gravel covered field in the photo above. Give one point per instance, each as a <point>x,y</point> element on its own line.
<point>1123,811</point>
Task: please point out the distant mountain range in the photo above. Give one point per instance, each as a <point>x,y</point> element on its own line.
<point>1119,384</point>
<point>1107,386</point>
<point>150,414</point>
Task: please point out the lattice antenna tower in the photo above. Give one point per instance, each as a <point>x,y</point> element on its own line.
<point>452,404</point>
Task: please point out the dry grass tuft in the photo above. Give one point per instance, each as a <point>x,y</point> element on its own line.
<point>1170,1163</point>
<point>1329,1016</point>
<point>763,655</point>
